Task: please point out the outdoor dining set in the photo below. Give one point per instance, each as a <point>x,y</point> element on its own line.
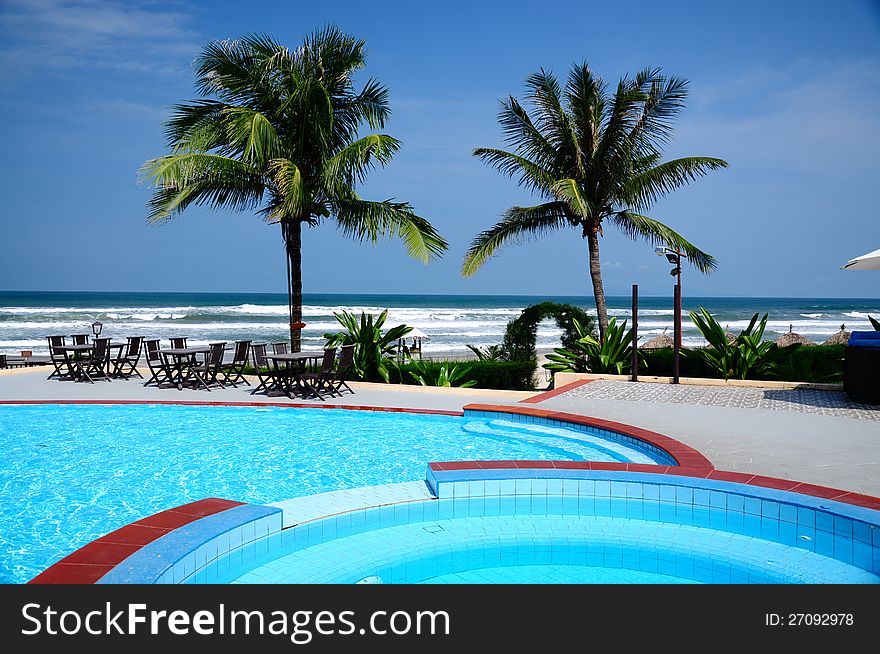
<point>305,375</point>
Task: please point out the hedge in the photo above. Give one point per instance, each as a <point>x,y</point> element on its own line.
<point>501,375</point>
<point>817,364</point>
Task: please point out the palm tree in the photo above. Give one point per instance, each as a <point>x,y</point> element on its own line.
<point>276,132</point>
<point>591,156</point>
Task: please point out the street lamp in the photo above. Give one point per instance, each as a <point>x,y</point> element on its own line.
<point>97,326</point>
<point>674,257</point>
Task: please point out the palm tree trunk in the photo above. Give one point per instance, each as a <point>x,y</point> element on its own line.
<point>596,277</point>
<point>291,230</point>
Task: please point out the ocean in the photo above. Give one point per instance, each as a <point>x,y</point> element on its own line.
<point>451,321</point>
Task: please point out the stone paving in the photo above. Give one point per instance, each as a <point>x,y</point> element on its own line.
<point>829,403</point>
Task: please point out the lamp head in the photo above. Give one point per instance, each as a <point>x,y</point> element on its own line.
<point>97,326</point>
<point>672,257</point>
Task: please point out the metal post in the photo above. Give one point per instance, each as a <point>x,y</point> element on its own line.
<point>676,351</point>
<point>635,334</point>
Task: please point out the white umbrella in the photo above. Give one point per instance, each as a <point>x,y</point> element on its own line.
<point>417,333</point>
<point>870,261</point>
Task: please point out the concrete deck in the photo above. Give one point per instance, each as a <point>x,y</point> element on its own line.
<point>790,439</point>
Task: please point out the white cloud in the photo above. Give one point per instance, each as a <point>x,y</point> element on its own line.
<point>126,36</point>
<point>810,116</point>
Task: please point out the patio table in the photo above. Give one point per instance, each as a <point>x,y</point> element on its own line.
<point>184,358</point>
<point>74,363</point>
<point>292,363</point>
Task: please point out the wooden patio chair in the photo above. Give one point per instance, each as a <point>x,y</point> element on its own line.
<point>58,358</point>
<point>233,371</point>
<point>264,369</point>
<point>159,373</point>
<point>125,363</point>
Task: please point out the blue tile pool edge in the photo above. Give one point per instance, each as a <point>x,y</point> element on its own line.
<point>185,551</point>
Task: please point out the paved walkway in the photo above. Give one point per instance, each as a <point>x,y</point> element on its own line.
<point>808,436</point>
<point>829,403</point>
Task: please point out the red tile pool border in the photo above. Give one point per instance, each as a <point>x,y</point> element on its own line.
<point>92,561</point>
<point>546,395</point>
<point>823,492</point>
<point>684,455</point>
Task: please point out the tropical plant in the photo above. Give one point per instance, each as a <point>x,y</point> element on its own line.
<point>592,157</point>
<point>612,355</point>
<point>374,349</point>
<point>747,356</point>
<point>448,374</point>
<point>488,353</point>
<point>521,333</point>
<point>276,131</point>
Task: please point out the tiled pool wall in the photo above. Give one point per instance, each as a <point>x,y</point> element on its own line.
<point>845,533</point>
<point>668,450</point>
<point>658,453</point>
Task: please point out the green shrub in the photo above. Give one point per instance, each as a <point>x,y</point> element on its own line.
<point>501,375</point>
<point>819,364</point>
<point>747,357</point>
<point>587,354</point>
<point>374,349</point>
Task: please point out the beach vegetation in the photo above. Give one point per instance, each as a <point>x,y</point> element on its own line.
<point>612,355</point>
<point>521,333</point>
<point>375,348</point>
<point>501,375</point>
<point>748,356</point>
<point>592,156</point>
<point>446,374</point>
<point>487,353</point>
<point>278,131</point>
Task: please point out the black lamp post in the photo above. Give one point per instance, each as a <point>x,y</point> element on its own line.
<point>674,257</point>
<point>97,326</point>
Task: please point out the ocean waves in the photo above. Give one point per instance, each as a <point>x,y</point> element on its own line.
<point>451,322</point>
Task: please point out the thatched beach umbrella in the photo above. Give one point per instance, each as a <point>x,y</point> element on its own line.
<point>731,337</point>
<point>840,338</point>
<point>659,342</point>
<point>792,338</point>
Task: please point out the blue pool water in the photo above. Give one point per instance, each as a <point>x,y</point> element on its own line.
<point>584,538</point>
<point>70,474</point>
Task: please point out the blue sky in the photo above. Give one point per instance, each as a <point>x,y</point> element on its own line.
<point>787,92</point>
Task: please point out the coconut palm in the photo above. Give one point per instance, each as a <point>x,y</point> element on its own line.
<point>591,156</point>
<point>276,131</point>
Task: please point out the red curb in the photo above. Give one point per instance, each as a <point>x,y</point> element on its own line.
<point>546,395</point>
<point>283,405</point>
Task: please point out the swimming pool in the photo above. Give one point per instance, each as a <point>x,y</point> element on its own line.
<point>567,526</point>
<point>71,474</point>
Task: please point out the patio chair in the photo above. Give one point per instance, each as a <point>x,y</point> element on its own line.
<point>95,364</point>
<point>206,373</point>
<point>268,379</point>
<point>58,358</point>
<point>3,363</point>
<point>279,348</point>
<point>80,339</point>
<point>318,383</point>
<point>234,371</point>
<point>178,342</point>
<point>343,369</point>
<point>159,373</point>
<point>125,363</point>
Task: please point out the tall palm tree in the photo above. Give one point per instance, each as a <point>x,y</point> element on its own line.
<point>591,156</point>
<point>276,132</point>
